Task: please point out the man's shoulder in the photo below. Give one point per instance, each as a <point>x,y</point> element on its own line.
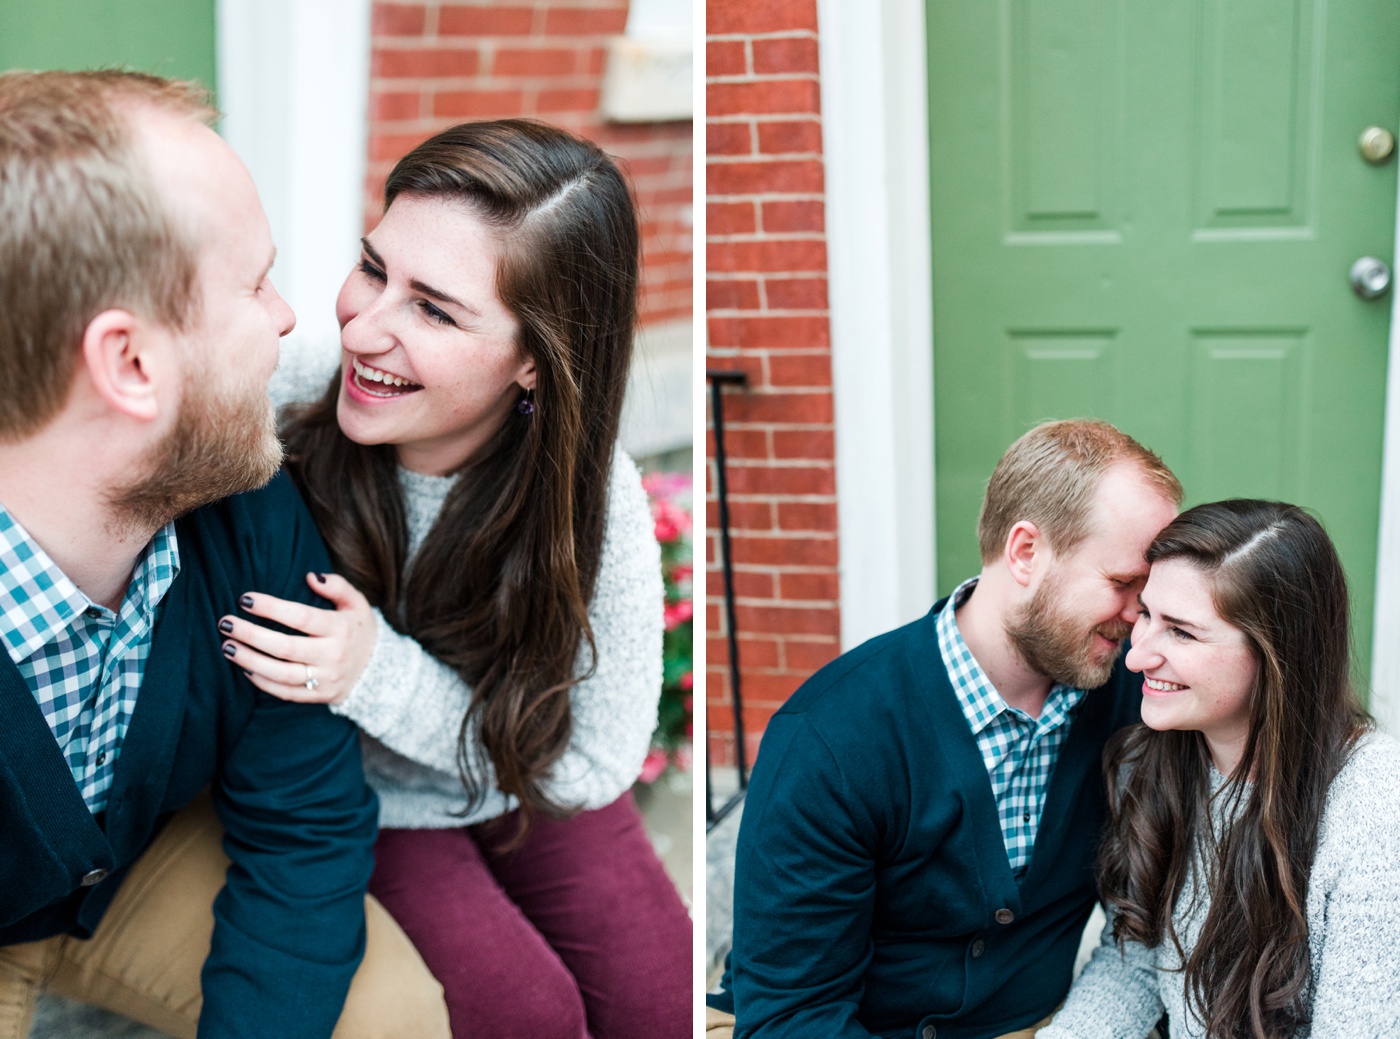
<point>260,532</point>
<point>267,509</point>
<point>882,672</point>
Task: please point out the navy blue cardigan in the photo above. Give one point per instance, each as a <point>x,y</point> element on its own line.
<point>287,784</point>
<point>872,893</point>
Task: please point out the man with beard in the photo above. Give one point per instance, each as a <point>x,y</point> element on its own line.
<point>916,851</point>
<point>138,329</point>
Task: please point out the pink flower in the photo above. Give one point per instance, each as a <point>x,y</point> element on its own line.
<point>666,485</point>
<point>654,765</point>
<point>688,682</point>
<point>671,520</point>
<point>678,613</point>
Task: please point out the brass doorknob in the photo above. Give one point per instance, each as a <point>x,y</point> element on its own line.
<point>1377,144</point>
<point>1370,277</point>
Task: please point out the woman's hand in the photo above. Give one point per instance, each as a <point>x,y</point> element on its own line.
<point>322,664</point>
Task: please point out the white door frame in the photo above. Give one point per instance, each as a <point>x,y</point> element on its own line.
<point>294,89</point>
<point>1385,645</point>
<point>876,140</point>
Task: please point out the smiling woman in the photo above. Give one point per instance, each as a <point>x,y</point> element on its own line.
<point>1252,861</point>
<point>1199,670</point>
<point>433,372</point>
<point>497,631</point>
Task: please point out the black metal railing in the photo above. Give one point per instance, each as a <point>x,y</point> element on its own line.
<point>718,379</point>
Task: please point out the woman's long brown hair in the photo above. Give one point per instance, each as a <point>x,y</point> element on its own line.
<point>1275,576</point>
<point>500,588</point>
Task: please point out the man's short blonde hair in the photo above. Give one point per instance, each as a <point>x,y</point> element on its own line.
<point>1049,476</point>
<point>82,226</point>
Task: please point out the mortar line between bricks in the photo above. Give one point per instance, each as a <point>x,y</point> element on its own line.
<point>776,34</point>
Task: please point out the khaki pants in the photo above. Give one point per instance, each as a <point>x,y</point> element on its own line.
<point>144,961</point>
<point>719,1025</point>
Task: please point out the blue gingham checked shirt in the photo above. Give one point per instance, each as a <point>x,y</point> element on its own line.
<point>1018,750</point>
<point>83,663</point>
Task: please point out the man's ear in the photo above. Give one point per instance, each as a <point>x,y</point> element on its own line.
<point>1023,544</point>
<point>114,353</point>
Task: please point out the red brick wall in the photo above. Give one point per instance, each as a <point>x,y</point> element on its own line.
<point>438,63</point>
<point>767,312</point>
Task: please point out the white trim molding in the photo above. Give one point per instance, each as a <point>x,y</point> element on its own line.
<point>874,90</point>
<point>658,411</point>
<point>1385,645</point>
<point>294,88</point>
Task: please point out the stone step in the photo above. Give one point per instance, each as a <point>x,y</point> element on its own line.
<point>719,892</point>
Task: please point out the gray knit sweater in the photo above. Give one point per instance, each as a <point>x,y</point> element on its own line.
<point>1353,912</point>
<point>409,706</point>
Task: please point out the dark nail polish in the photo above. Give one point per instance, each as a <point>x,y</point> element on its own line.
<point>248,673</point>
<point>230,649</point>
<point>226,626</point>
<point>321,578</point>
<point>246,602</point>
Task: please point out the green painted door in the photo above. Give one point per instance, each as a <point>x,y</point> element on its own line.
<point>1146,212</point>
<point>168,37</point>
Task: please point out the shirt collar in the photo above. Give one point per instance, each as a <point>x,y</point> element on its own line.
<point>980,701</point>
<point>38,601</point>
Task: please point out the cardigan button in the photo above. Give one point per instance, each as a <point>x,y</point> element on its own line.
<point>929,1032</point>
<point>93,877</point>
<point>1005,916</point>
<point>978,948</point>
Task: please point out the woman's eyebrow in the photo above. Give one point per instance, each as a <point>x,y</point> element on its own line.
<point>423,287</point>
<point>1168,618</point>
<point>1181,623</point>
<point>443,297</point>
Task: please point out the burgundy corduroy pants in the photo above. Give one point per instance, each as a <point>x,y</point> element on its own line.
<point>577,934</point>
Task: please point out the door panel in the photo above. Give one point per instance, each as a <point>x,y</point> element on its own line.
<point>1258,88</point>
<point>1146,213</point>
<point>1063,93</point>
<point>1246,387</point>
<point>168,37</point>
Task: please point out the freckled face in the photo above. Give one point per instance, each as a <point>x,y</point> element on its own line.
<point>1198,670</point>
<point>430,355</point>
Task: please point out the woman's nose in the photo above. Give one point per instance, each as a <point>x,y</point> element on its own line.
<point>1141,654</point>
<point>365,331</point>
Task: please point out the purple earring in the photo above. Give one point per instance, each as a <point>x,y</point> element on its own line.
<point>526,404</point>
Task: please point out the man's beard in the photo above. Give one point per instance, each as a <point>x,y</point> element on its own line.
<point>1057,645</point>
<point>219,446</point>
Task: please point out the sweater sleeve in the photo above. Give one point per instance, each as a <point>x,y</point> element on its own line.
<point>414,704</point>
<point>1356,963</point>
<point>1115,995</point>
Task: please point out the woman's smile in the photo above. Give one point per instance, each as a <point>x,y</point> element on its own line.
<point>379,383</point>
